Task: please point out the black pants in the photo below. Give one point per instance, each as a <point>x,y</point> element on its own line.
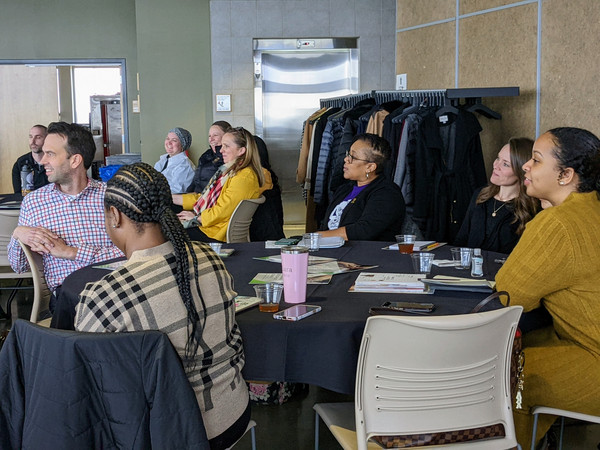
<point>196,234</point>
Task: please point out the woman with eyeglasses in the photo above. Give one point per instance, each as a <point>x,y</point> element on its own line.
<point>369,207</point>
<point>241,177</point>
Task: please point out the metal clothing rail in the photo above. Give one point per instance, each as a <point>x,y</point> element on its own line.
<point>437,97</point>
<point>345,101</point>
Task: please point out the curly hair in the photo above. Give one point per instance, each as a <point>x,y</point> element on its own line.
<point>143,195</point>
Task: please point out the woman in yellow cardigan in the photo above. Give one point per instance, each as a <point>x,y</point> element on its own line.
<point>241,177</point>
<point>557,264</point>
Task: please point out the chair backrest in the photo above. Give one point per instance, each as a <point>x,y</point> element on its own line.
<point>420,375</point>
<point>41,293</point>
<point>238,229</point>
<point>9,219</point>
<point>92,391</point>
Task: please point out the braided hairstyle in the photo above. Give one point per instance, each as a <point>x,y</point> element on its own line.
<point>143,195</point>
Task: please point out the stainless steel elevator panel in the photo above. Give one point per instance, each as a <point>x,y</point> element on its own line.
<point>290,77</point>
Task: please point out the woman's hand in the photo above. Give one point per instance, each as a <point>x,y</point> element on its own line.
<point>178,199</point>
<point>185,215</point>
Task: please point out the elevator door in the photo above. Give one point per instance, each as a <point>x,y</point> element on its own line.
<point>289,83</point>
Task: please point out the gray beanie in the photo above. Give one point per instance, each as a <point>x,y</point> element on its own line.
<point>184,136</point>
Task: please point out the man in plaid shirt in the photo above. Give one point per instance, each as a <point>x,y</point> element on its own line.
<point>64,220</point>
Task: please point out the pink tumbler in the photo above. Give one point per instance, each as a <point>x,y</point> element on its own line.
<point>294,267</point>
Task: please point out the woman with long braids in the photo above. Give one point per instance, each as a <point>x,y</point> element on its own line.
<point>170,283</point>
<point>241,177</point>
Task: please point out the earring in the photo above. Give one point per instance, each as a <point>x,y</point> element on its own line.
<point>367,175</point>
<point>562,183</point>
<point>115,226</point>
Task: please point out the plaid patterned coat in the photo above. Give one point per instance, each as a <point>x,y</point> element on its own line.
<point>143,295</point>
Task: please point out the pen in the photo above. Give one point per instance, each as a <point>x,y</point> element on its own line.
<point>430,246</point>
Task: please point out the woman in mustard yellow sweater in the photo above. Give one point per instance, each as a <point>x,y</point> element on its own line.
<point>557,264</point>
<point>241,177</point>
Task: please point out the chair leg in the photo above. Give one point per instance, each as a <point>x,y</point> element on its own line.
<point>8,313</point>
<point>316,430</point>
<point>253,436</point>
<point>535,424</point>
<point>562,429</point>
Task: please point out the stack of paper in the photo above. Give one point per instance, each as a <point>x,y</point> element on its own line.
<point>243,302</point>
<point>313,278</point>
<point>328,242</point>
<point>389,282</point>
<point>419,246</point>
<point>311,259</point>
<point>460,284</point>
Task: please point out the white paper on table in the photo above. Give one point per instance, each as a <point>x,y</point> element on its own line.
<point>445,263</point>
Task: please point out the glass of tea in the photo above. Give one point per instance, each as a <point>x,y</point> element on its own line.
<point>270,295</point>
<point>406,242</point>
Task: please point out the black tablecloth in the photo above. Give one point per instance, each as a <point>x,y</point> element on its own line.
<point>321,349</point>
<point>11,201</point>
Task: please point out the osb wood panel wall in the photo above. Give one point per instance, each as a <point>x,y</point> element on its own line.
<point>498,46</point>
<point>28,96</point>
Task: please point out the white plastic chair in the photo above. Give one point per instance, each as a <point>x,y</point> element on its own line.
<point>9,219</point>
<point>562,413</point>
<point>238,229</point>
<point>41,293</point>
<point>423,375</point>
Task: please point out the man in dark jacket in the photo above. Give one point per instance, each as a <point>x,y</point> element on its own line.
<point>37,178</point>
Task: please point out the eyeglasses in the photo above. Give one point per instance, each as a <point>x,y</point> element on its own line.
<point>351,158</point>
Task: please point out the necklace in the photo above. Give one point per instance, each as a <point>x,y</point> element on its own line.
<point>497,209</point>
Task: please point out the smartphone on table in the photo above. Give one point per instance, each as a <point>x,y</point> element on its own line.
<point>410,307</point>
<point>297,312</point>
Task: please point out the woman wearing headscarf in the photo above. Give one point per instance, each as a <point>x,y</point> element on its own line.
<point>175,164</point>
<point>179,287</point>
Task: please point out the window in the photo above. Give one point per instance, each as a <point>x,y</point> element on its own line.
<point>89,81</point>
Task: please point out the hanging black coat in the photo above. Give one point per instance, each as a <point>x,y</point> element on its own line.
<point>448,167</point>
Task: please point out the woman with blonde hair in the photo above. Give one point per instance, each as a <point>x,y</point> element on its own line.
<point>241,177</point>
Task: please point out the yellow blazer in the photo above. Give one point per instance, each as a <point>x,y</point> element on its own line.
<point>242,186</point>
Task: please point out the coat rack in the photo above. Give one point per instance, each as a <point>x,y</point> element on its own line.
<point>432,97</point>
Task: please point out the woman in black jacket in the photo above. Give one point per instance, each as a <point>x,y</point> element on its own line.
<point>211,159</point>
<point>498,213</point>
<point>370,207</point>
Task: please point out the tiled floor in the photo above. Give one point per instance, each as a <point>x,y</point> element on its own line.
<point>291,426</point>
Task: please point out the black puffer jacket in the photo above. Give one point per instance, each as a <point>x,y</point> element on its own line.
<point>95,390</point>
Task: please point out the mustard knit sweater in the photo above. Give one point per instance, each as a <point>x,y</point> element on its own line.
<point>557,263</point>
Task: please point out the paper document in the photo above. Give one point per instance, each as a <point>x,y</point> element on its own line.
<point>313,278</point>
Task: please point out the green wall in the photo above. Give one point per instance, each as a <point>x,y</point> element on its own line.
<point>175,76</point>
<point>168,43</point>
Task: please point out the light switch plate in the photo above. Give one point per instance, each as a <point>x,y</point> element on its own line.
<point>401,82</point>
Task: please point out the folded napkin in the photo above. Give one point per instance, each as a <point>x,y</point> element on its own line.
<point>445,263</point>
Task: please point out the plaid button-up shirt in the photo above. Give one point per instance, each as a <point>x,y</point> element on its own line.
<point>78,220</point>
